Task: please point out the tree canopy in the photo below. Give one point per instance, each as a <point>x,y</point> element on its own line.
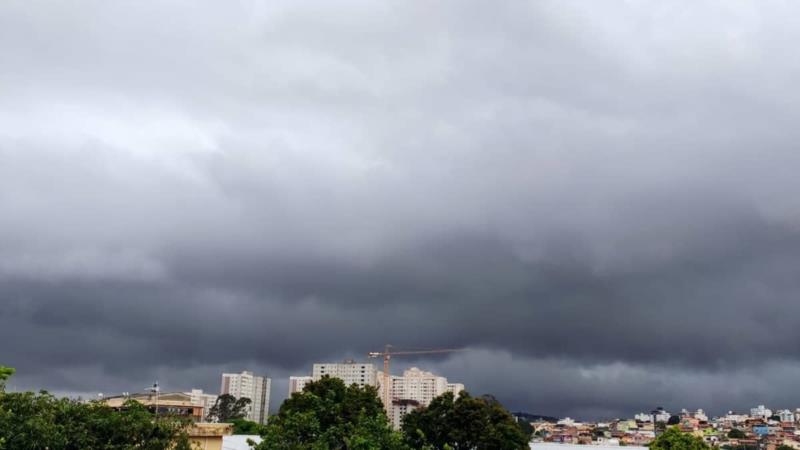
<point>244,426</point>
<point>328,415</point>
<point>39,421</point>
<point>674,439</point>
<point>465,422</point>
<point>5,374</point>
<point>736,433</point>
<point>228,408</point>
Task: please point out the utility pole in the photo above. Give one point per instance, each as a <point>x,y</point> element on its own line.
<point>155,389</point>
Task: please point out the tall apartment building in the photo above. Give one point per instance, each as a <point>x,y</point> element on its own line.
<point>351,372</point>
<point>296,384</point>
<point>250,386</point>
<point>414,389</point>
<point>761,411</point>
<point>199,398</point>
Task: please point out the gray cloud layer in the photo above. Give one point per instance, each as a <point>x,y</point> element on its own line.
<point>598,201</point>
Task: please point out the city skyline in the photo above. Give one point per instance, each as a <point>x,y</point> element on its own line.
<point>207,398</point>
<point>596,201</point>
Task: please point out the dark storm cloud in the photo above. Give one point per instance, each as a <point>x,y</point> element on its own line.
<point>599,201</point>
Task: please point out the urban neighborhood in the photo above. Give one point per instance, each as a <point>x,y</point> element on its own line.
<point>758,428</point>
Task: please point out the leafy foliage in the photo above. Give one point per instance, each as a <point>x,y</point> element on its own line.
<point>328,415</point>
<point>228,408</point>
<point>526,427</point>
<point>463,423</point>
<point>736,433</point>
<point>5,374</point>
<point>40,421</point>
<point>243,426</point>
<point>674,439</point>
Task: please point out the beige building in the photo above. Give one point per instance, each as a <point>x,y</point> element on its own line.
<point>248,385</point>
<point>296,384</point>
<point>399,409</point>
<point>209,436</point>
<point>207,401</point>
<point>168,403</point>
<point>202,435</point>
<point>415,388</point>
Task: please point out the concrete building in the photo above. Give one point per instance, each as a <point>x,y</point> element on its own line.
<point>399,409</point>
<point>209,436</point>
<point>166,403</point>
<point>207,401</point>
<point>413,389</point>
<point>247,385</point>
<point>455,388</point>
<point>351,372</point>
<point>786,415</point>
<point>419,385</point>
<point>700,415</point>
<point>761,411</point>
<point>732,418</point>
<point>296,384</point>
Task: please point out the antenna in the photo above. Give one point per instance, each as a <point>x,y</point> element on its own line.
<point>155,389</point>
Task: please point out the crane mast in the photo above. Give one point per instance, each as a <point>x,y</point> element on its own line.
<point>387,354</point>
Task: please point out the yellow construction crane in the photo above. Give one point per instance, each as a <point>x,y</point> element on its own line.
<point>387,354</point>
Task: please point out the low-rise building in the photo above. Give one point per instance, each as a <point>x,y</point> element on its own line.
<point>208,436</point>
<point>168,403</point>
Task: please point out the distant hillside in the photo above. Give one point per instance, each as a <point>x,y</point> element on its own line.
<point>534,417</point>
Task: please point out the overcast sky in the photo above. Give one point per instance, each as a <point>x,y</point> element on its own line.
<point>599,200</point>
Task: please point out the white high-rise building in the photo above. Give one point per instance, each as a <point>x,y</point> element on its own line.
<point>785,415</point>
<point>455,388</point>
<point>761,411</point>
<point>351,372</point>
<point>296,384</point>
<point>250,386</point>
<point>199,398</point>
<point>414,389</point>
<point>416,384</point>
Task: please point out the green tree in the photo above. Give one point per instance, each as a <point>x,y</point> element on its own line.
<point>674,439</point>
<point>40,421</point>
<point>525,426</point>
<point>5,374</point>
<point>244,426</point>
<point>228,408</point>
<point>463,423</point>
<point>736,433</point>
<point>328,415</point>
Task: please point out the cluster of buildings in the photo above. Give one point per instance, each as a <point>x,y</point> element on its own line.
<point>407,392</point>
<point>197,404</point>
<point>762,428</point>
<point>414,389</point>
